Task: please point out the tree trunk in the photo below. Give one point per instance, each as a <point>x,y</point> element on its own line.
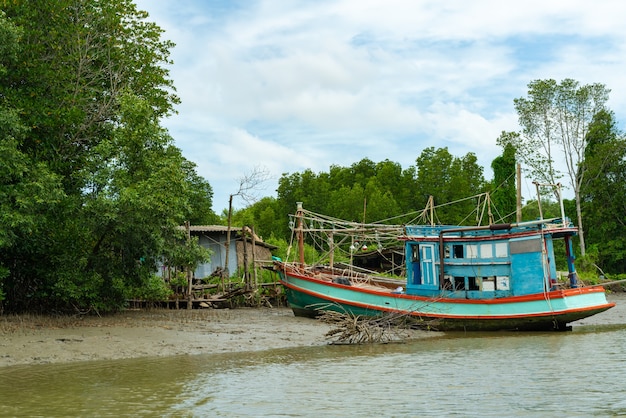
<point>579,215</point>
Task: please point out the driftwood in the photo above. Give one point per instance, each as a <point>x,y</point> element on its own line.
<point>355,329</point>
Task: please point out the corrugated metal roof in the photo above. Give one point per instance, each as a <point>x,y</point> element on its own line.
<point>224,229</point>
<point>212,228</point>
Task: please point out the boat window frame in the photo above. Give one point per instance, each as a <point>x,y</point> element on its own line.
<point>415,253</point>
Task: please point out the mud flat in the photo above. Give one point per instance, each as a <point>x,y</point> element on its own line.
<point>37,339</point>
<point>146,333</point>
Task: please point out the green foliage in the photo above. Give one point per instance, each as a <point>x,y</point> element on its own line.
<point>9,43</point>
<point>372,192</point>
<point>311,256</point>
<point>549,209</point>
<point>604,192</point>
<point>449,179</point>
<point>282,244</point>
<point>504,190</point>
<point>262,215</point>
<point>555,119</point>
<point>186,253</point>
<point>153,290</point>
<point>93,191</point>
<point>179,280</point>
<point>267,276</point>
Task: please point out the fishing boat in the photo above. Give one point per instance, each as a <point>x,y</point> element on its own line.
<point>501,276</point>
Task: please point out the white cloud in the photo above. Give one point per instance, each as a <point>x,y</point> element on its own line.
<point>299,85</point>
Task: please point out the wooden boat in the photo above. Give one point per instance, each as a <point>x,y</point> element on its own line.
<point>494,277</point>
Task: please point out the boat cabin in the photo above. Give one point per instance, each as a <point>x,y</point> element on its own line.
<point>486,262</point>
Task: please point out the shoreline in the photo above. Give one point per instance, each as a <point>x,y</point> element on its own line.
<point>29,340</point>
<point>134,333</point>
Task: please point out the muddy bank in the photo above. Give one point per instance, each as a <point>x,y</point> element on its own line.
<point>38,340</point>
<point>146,333</point>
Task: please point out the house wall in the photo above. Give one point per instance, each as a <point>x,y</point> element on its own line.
<point>216,243</point>
<point>260,253</point>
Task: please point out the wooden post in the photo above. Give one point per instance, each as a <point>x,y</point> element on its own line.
<point>489,210</point>
<point>230,212</point>
<point>538,199</point>
<point>519,193</point>
<point>256,279</point>
<point>188,269</point>
<point>431,205</point>
<point>300,215</point>
<point>246,274</point>
<point>331,254</point>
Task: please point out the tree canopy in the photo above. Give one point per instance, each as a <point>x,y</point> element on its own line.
<point>604,192</point>
<point>369,191</point>
<point>504,193</point>
<point>96,189</point>
<point>555,119</point>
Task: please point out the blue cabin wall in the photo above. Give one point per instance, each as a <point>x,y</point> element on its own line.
<point>527,273</point>
<point>482,263</point>
<point>422,268</point>
<point>527,266</point>
<point>480,269</point>
<point>472,269</point>
<point>413,271</point>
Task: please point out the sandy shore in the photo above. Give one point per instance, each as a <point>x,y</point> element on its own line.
<point>38,340</point>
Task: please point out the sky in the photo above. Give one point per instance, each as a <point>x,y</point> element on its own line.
<point>284,86</point>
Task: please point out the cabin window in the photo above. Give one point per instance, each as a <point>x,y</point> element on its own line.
<point>489,284</point>
<point>446,251</point>
<point>473,283</point>
<point>472,251</point>
<point>459,283</point>
<point>457,249</point>
<point>502,283</point>
<point>447,283</point>
<point>502,249</point>
<point>415,253</point>
<point>522,246</point>
<point>486,250</point>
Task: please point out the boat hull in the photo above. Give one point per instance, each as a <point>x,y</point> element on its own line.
<point>308,296</point>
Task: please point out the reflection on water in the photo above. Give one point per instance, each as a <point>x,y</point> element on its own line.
<point>575,373</point>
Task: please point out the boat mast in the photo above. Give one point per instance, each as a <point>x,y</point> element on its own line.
<point>538,199</point>
<point>300,232</point>
<point>431,206</point>
<point>565,222</point>
<point>331,254</point>
<point>518,211</point>
<point>569,251</point>
<point>558,188</point>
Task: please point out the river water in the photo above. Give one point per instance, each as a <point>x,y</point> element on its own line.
<point>575,374</point>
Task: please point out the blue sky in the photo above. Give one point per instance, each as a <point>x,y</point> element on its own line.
<point>284,86</point>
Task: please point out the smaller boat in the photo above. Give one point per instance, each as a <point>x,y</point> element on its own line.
<point>493,277</point>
